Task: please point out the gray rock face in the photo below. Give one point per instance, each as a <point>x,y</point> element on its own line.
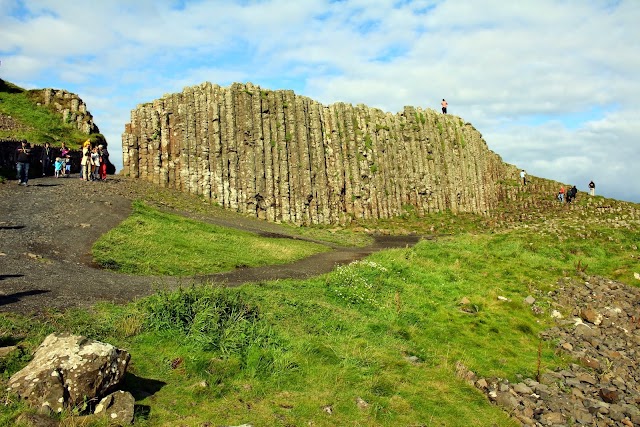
<point>68,370</point>
<point>284,157</point>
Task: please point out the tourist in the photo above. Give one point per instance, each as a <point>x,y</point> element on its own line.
<point>58,167</point>
<point>444,106</point>
<point>592,188</point>
<point>66,158</point>
<point>95,160</point>
<point>85,162</point>
<point>104,159</point>
<point>523,177</point>
<point>46,158</point>
<point>23,157</point>
<point>561,194</point>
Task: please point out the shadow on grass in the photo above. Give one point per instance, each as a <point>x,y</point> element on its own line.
<point>141,388</point>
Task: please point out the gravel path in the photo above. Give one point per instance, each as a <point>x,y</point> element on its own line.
<point>47,230</point>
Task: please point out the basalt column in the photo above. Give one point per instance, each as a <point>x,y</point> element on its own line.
<point>284,157</point>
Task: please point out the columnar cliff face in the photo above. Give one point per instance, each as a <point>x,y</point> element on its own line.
<point>69,105</point>
<point>284,157</point>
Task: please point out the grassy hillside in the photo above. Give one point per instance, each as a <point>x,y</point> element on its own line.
<point>374,343</point>
<point>21,118</point>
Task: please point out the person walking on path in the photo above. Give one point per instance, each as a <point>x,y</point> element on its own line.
<point>444,106</point>
<point>592,188</point>
<point>46,158</point>
<point>23,158</point>
<point>561,194</point>
<point>523,176</point>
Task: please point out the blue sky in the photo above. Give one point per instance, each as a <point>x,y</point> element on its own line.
<point>552,85</point>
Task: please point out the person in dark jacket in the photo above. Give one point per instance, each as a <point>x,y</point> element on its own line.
<point>104,161</point>
<point>23,158</point>
<point>46,158</point>
<point>571,194</point>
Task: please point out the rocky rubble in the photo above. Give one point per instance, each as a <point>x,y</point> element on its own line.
<point>602,387</point>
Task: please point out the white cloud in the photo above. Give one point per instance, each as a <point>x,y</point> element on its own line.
<point>551,85</point>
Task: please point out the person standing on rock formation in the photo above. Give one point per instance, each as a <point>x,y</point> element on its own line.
<point>571,194</point>
<point>592,188</point>
<point>523,177</point>
<point>444,106</point>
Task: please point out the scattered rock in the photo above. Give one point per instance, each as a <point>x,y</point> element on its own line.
<point>67,370</point>
<point>361,403</point>
<point>35,420</point>
<point>5,351</point>
<point>609,395</point>
<point>117,407</point>
<point>529,300</point>
<point>604,389</point>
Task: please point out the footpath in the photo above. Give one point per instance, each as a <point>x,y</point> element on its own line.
<point>47,230</point>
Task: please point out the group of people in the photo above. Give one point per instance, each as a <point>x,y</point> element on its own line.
<point>93,163</point>
<point>573,191</point>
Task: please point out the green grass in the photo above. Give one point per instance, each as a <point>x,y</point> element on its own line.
<point>278,353</point>
<point>37,124</point>
<point>152,242</point>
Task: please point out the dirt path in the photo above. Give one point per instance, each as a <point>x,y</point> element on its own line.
<point>47,230</point>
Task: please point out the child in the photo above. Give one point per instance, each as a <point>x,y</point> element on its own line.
<point>58,165</point>
<point>67,166</point>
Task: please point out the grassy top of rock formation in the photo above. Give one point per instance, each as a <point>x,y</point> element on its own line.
<point>23,116</point>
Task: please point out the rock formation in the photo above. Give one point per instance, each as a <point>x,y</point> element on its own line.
<point>69,105</point>
<point>284,157</point>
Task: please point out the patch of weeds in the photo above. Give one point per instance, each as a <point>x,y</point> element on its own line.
<point>357,284</point>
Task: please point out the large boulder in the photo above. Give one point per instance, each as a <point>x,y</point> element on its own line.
<point>68,371</point>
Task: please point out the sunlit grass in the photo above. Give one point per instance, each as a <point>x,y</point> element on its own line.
<point>36,124</point>
<point>151,242</point>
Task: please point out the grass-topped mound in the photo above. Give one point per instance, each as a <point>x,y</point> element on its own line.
<point>152,242</point>
<point>24,117</point>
